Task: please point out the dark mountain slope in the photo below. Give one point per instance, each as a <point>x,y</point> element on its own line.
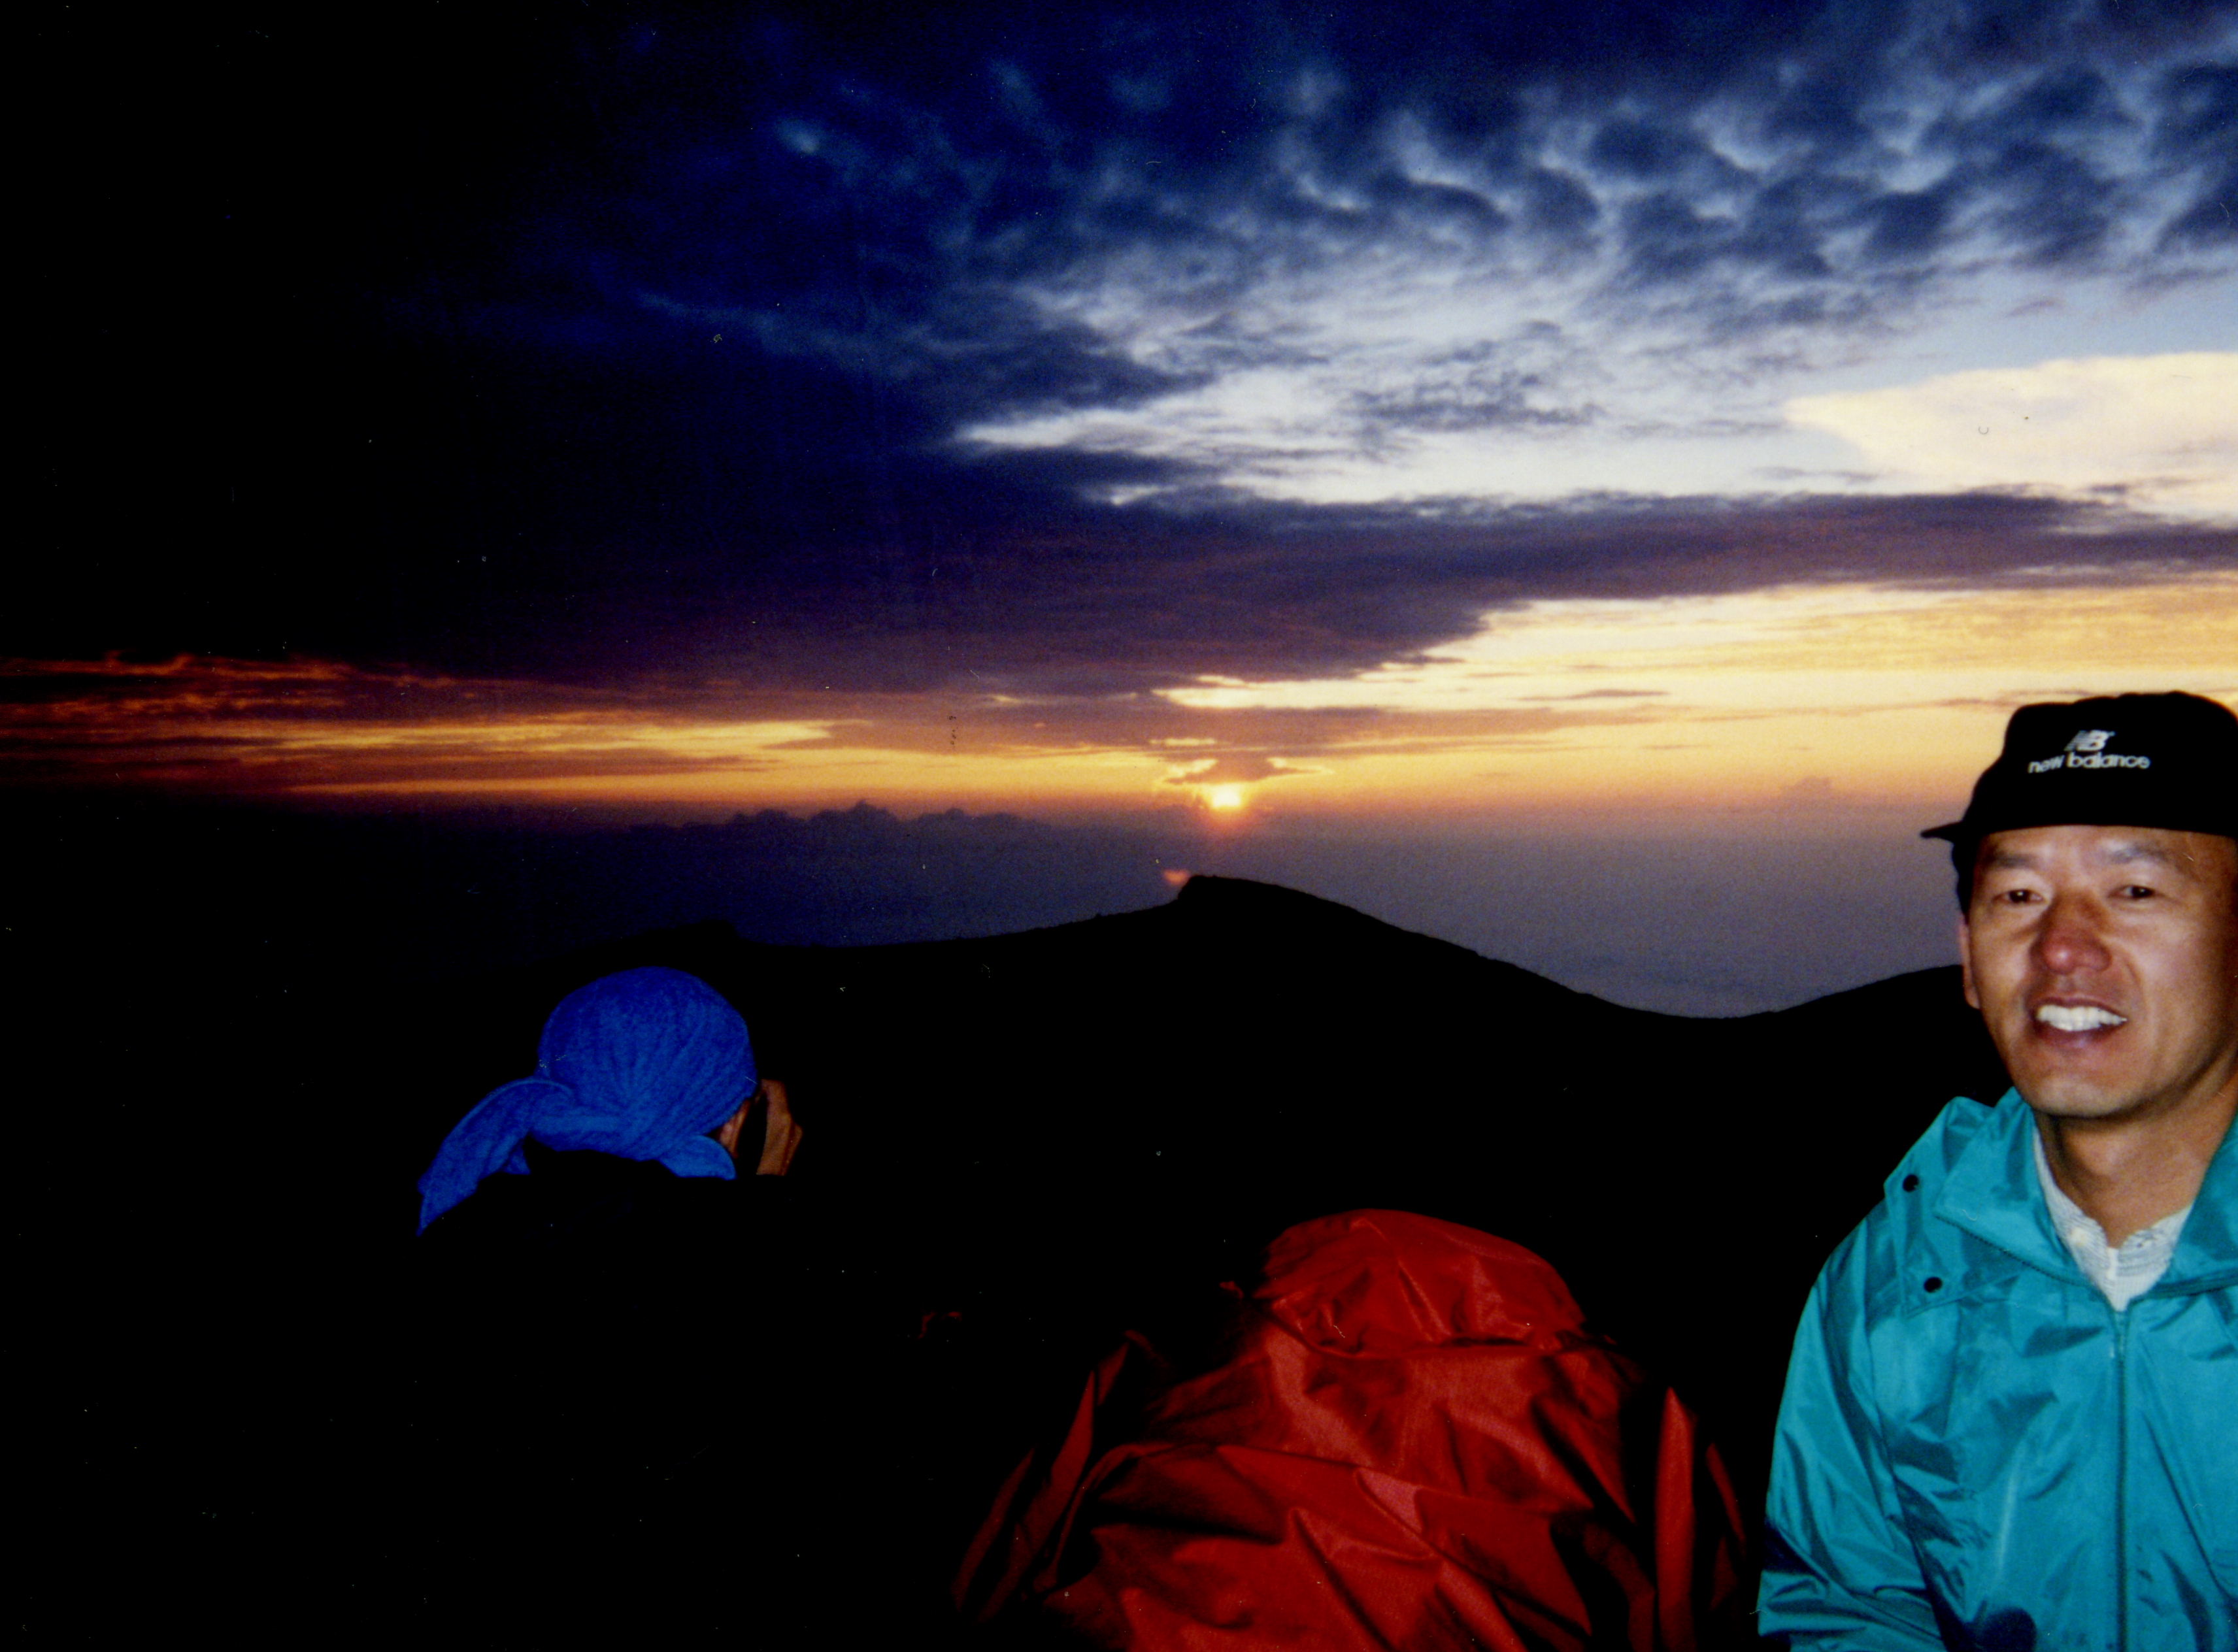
<point>1056,1134</point>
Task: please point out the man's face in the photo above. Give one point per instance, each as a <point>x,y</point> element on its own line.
<point>2105,960</point>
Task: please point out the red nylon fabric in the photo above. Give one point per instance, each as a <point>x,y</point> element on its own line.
<point>1412,1442</point>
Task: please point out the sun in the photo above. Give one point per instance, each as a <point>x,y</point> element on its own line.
<point>1225,798</point>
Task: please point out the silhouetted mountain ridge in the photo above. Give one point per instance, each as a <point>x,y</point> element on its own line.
<point>1057,1133</point>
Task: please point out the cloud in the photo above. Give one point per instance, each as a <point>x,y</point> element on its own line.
<point>2162,430</point>
<point>254,726</point>
<point>1604,694</point>
<point>1245,768</point>
<point>1484,400</point>
<point>1097,602</point>
<point>1718,246</point>
<point>1099,351</point>
<point>1247,243</point>
<point>1756,680</point>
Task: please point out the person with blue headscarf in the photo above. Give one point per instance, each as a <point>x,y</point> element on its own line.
<point>651,1066</point>
<point>597,1287</point>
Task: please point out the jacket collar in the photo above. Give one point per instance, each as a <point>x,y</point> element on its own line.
<point>1993,1193</point>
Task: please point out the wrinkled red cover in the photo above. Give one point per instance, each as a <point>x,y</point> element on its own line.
<point>1412,1442</point>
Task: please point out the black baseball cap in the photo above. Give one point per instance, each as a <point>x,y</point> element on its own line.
<point>2162,760</point>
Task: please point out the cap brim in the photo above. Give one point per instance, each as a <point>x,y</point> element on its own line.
<point>1952,833</point>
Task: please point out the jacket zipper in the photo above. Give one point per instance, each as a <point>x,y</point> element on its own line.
<point>2122,1480</point>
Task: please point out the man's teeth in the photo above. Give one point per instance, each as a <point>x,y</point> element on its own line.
<point>2077,1018</point>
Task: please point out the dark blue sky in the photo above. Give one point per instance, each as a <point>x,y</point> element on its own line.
<point>394,333</point>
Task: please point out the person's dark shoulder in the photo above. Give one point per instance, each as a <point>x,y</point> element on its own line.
<point>592,1211</point>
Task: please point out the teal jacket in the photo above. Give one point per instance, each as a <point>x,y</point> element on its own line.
<point>1976,1451</point>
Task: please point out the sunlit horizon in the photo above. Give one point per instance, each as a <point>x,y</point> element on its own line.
<point>1829,693</point>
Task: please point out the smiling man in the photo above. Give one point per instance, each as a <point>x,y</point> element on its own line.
<point>2011,1421</point>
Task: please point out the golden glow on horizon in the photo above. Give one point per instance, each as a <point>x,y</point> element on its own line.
<point>555,736</point>
<point>1794,697</point>
<point>1829,647</point>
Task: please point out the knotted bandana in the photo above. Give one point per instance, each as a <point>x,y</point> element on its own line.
<point>641,1065</point>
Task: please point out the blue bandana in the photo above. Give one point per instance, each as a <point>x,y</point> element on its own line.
<point>641,1065</point>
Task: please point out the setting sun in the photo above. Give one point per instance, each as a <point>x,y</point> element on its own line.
<point>1224,797</point>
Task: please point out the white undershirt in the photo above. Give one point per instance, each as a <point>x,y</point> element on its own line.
<point>2120,1274</point>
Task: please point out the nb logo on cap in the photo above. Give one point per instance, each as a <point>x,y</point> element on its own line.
<point>2088,751</point>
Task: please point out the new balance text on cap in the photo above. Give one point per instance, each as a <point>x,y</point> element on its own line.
<point>2162,760</point>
